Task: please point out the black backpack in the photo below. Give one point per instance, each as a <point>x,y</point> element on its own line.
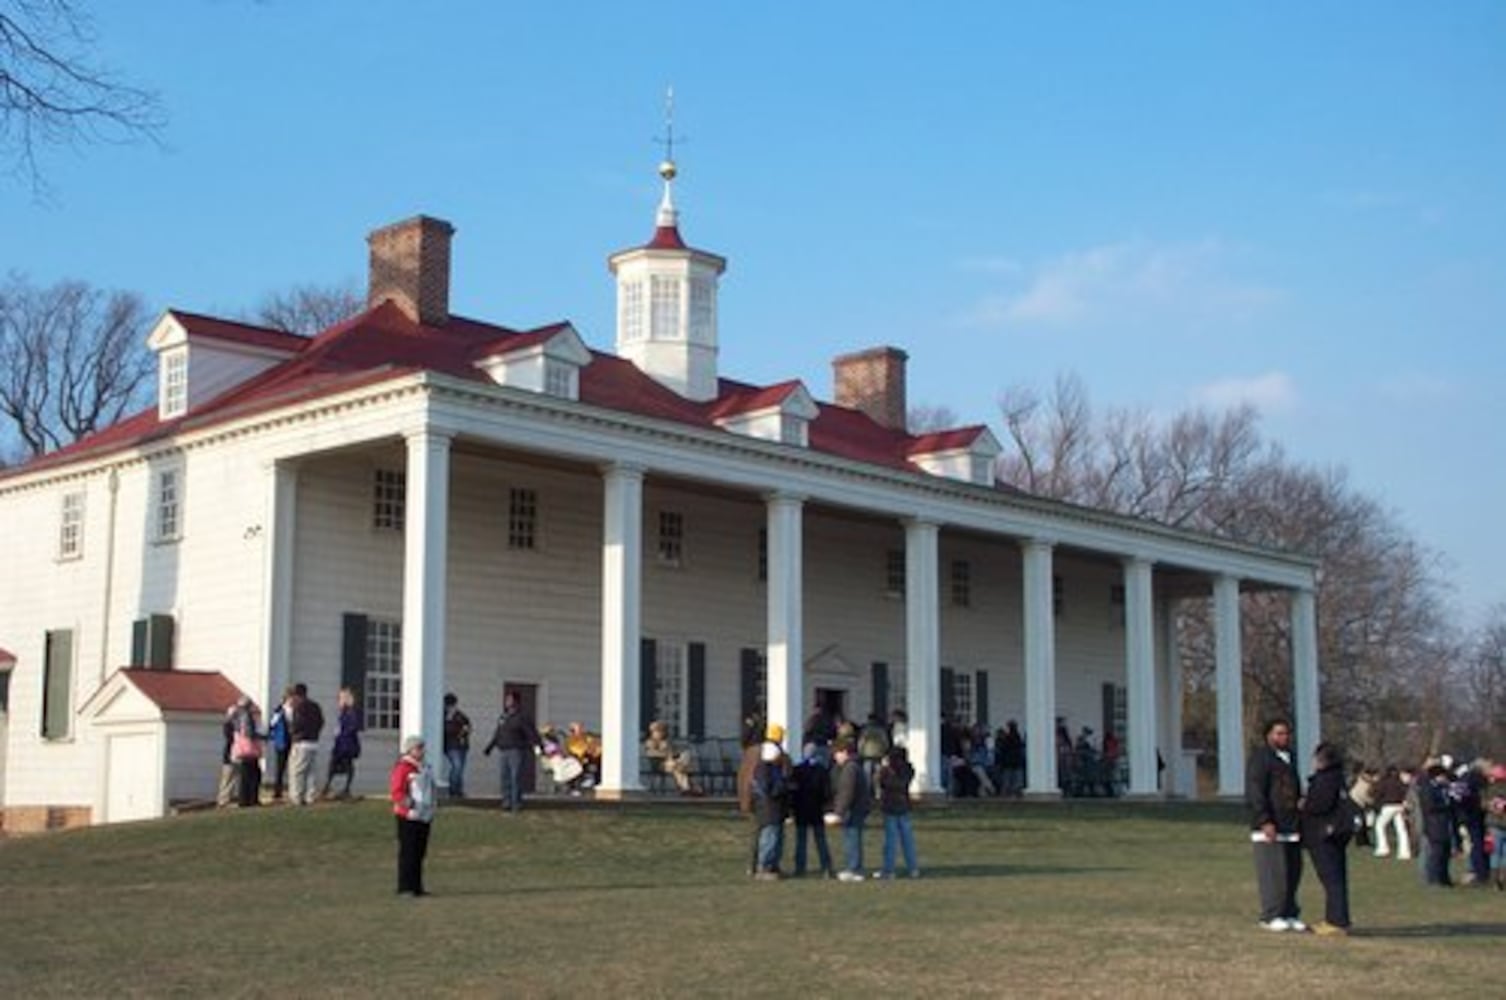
<point>1348,819</point>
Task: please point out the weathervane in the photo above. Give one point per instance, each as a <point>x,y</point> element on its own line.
<point>667,169</point>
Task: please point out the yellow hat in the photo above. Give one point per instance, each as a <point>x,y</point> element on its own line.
<point>775,733</point>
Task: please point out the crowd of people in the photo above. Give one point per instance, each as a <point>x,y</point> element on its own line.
<point>290,738</point>
<point>844,774</point>
<point>1445,809</point>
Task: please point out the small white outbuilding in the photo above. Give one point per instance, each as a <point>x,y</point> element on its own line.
<point>160,737</point>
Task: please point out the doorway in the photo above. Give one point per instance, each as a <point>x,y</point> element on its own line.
<point>832,702</point>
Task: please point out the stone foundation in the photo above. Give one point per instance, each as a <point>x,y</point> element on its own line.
<point>39,819</point>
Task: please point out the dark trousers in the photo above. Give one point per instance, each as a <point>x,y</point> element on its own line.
<point>280,772</point>
<point>1479,865</point>
<point>1435,858</point>
<point>817,832</point>
<point>250,791</point>
<point>412,845</point>
<point>1331,862</point>
<point>1278,871</point>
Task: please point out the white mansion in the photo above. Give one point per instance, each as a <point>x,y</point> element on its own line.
<point>413,502</point>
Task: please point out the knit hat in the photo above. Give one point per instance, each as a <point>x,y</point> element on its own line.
<point>775,733</point>
<point>412,742</point>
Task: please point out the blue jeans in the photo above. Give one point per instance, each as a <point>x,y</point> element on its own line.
<point>770,846</point>
<point>455,756</point>
<point>852,844</point>
<point>897,828</point>
<point>512,779</point>
<point>823,852</point>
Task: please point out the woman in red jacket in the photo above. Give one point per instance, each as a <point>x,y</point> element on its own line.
<point>412,786</point>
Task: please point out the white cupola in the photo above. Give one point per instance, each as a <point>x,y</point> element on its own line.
<point>666,303</point>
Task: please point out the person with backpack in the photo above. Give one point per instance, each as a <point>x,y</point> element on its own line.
<point>873,746</point>
<point>849,810</point>
<point>280,736</point>
<point>1329,818</point>
<point>770,789</point>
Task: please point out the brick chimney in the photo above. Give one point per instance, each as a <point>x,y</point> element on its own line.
<point>873,381</point>
<point>410,264</point>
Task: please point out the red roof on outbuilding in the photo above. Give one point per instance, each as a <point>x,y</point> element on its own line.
<point>184,690</point>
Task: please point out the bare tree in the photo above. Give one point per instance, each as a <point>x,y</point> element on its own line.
<point>72,360</point>
<point>925,418</point>
<point>54,92</point>
<point>308,309</point>
<point>1384,643</point>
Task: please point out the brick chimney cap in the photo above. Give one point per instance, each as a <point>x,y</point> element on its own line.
<point>417,221</point>
<point>871,352</point>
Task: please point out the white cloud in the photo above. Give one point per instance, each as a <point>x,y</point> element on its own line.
<point>1271,393</point>
<point>1123,283</point>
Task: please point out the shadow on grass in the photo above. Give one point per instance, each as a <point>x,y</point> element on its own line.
<point>1431,931</point>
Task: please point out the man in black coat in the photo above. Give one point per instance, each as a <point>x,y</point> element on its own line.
<point>1272,791</point>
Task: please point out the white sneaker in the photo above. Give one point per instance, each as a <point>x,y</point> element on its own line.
<point>846,876</point>
<point>1293,924</point>
<point>1276,924</point>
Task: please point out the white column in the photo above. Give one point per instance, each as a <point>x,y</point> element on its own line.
<point>1229,680</point>
<point>621,627</point>
<point>786,633</point>
<point>1140,676</point>
<point>923,653</point>
<point>1040,671</point>
<point>279,527</point>
<point>1170,690</point>
<point>425,583</point>
<point>1305,670</point>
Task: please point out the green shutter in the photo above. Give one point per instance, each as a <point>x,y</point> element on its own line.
<point>695,684</point>
<point>980,698</point>
<point>880,689</point>
<point>140,628</point>
<point>160,641</point>
<point>748,683</point>
<point>57,684</point>
<point>648,681</point>
<point>353,654</point>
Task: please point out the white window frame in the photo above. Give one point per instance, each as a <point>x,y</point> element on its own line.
<point>169,503</point>
<point>71,526</point>
<point>631,319</point>
<point>963,707</point>
<point>671,541</point>
<point>522,519</point>
<point>560,379</point>
<point>672,686</point>
<point>894,573</point>
<point>962,583</point>
<point>389,499</point>
<point>664,308</point>
<point>702,310</point>
<point>382,699</point>
<point>173,391</point>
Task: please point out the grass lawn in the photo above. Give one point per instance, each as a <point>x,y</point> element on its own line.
<point>1096,899</point>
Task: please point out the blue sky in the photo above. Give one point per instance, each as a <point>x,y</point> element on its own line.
<point>1299,205</point>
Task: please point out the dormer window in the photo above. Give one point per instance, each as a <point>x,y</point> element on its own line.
<point>560,378</point>
<point>172,394</point>
<point>545,361</point>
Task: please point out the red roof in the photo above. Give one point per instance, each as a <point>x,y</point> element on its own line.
<point>948,440</point>
<point>666,238</point>
<point>383,343</point>
<point>240,333</point>
<point>184,690</point>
